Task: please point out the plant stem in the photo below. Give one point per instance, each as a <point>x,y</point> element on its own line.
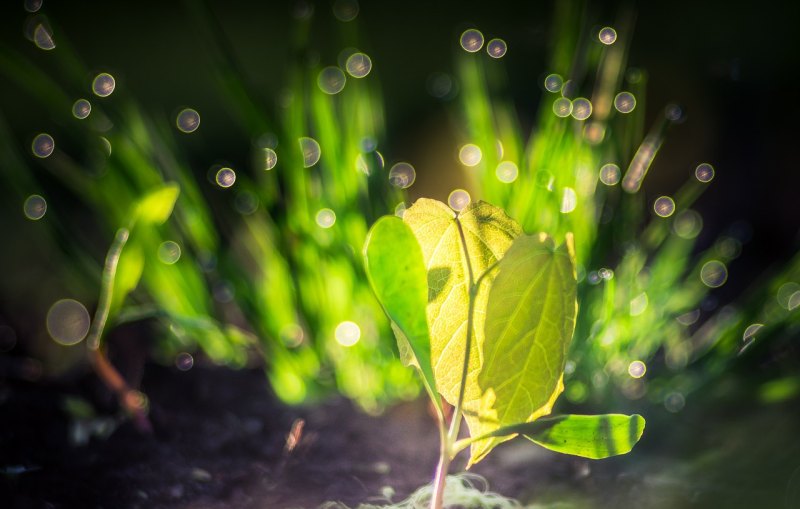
<point>448,439</point>
<point>131,400</point>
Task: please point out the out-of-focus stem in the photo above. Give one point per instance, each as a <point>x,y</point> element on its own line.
<point>131,400</point>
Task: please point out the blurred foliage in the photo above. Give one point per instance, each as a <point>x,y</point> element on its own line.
<point>250,265</point>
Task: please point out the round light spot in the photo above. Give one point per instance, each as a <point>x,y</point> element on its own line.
<point>402,175</point>
<point>674,402</point>
<point>496,48</point>
<point>345,10</point>
<point>581,108</point>
<point>664,206</point>
<point>225,177</point>
<point>184,361</point>
<point>302,9</point>
<point>347,333</point>
<point>81,109</point>
<point>624,102</point>
<point>507,172</point>
<point>188,120</point>
<point>106,145</point>
<point>270,159</point>
<point>594,132</point>
<point>689,317</point>
<point>470,155</point>
<point>33,5</point>
<point>729,247</point>
<point>311,151</point>
<point>246,203</point>
<point>43,37</point>
<point>358,65</point>
<point>606,273</point>
<point>400,209</point>
<point>472,40</point>
<point>103,84</point>
<point>593,278</point>
<point>458,200</point>
<point>223,292</point>
<point>439,85</point>
<point>569,200</point>
<point>368,144</point>
<point>673,112</point>
<point>169,252</point>
<point>687,224</point>
<point>544,179</point>
<point>325,218</point>
<point>292,335</point>
<point>638,304</point>
<point>714,274</point>
<point>553,82</point>
<point>43,145</point>
<point>794,301</point>
<point>751,331</point>
<point>704,172</point>
<point>68,322</point>
<point>610,174</point>
<point>607,36</point>
<point>35,207</point>
<point>785,293</point>
<point>568,89</point>
<point>562,107</point>
<point>331,80</point>
<point>637,369</point>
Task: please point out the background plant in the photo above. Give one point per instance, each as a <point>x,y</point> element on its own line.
<point>256,271</point>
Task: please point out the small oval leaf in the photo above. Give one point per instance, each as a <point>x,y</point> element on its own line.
<point>588,436</point>
<point>396,271</point>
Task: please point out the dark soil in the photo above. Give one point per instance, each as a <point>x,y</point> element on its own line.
<point>220,442</point>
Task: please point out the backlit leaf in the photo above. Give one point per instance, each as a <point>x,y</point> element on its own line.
<point>396,271</point>
<point>530,319</point>
<point>488,233</point>
<point>129,272</point>
<point>588,436</point>
<point>156,206</point>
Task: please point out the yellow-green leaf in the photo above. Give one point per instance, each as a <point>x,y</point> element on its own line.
<point>396,271</point>
<point>488,233</point>
<point>530,319</point>
<point>129,272</point>
<point>156,206</point>
<point>588,436</point>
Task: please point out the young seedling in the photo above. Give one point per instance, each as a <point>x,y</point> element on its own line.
<point>153,209</point>
<point>486,314</point>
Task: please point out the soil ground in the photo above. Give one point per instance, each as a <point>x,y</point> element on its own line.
<point>220,437</point>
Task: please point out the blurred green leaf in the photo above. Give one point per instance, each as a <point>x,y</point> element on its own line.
<point>396,271</point>
<point>530,319</point>
<point>156,206</point>
<point>129,272</point>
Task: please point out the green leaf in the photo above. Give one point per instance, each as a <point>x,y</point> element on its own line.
<point>530,319</point>
<point>156,206</point>
<point>129,272</point>
<point>488,233</point>
<point>396,271</point>
<point>588,436</point>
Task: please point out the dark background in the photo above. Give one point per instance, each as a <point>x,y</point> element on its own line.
<point>731,68</point>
